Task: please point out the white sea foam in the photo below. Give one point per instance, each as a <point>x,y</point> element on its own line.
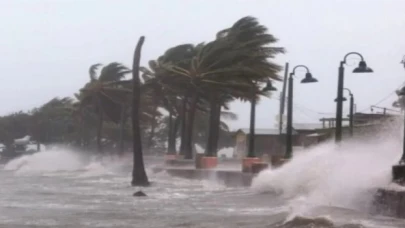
<point>46,161</point>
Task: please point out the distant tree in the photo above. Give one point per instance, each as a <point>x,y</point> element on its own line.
<point>400,102</point>
<point>13,126</point>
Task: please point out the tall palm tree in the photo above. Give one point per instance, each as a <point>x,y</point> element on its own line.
<point>139,177</point>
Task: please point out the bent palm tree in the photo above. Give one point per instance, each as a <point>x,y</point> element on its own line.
<point>232,65</point>
<point>104,94</point>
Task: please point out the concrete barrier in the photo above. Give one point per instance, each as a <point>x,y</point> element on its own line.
<point>229,178</point>
<point>389,202</point>
<point>258,167</point>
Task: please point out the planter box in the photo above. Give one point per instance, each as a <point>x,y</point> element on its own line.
<point>247,164</point>
<point>209,162</point>
<point>257,167</point>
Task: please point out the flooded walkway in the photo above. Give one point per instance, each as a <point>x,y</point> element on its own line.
<point>40,193</point>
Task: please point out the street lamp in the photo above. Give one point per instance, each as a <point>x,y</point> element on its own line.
<point>351,111</point>
<point>251,150</point>
<point>398,171</point>
<point>362,68</point>
<point>308,79</point>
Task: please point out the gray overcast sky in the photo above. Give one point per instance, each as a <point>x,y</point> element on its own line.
<point>47,46</point>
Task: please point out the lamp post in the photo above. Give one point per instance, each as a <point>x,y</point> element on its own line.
<point>362,68</point>
<point>251,150</point>
<point>351,111</point>
<point>398,171</point>
<point>308,79</point>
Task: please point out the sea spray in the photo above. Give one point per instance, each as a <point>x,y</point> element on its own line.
<point>94,169</point>
<point>341,176</point>
<point>65,159</point>
<point>46,161</point>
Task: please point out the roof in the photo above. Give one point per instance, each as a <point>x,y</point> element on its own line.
<point>358,114</point>
<point>265,131</point>
<point>296,127</point>
<point>307,126</point>
<point>364,116</point>
<point>331,119</point>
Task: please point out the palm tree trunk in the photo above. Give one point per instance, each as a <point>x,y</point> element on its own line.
<point>209,150</point>
<point>171,138</point>
<point>175,133</point>
<point>188,147</point>
<point>80,133</point>
<point>122,130</point>
<point>183,117</point>
<point>152,131</point>
<point>99,132</point>
<point>216,127</point>
<point>80,136</point>
<point>139,177</point>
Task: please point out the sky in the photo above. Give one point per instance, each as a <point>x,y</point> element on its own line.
<point>47,46</point>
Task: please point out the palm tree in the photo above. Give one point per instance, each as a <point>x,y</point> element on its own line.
<point>139,177</point>
<point>203,134</point>
<point>148,114</point>
<point>165,95</point>
<point>85,119</point>
<point>248,35</point>
<point>168,91</point>
<point>234,64</point>
<point>105,95</point>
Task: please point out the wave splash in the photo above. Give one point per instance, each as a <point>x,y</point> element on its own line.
<point>318,222</point>
<point>329,175</point>
<point>46,161</point>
